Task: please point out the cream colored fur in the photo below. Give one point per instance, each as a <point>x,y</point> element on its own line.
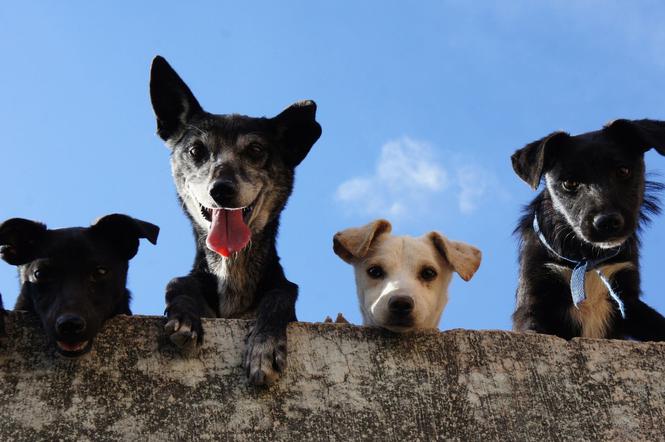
<point>403,258</point>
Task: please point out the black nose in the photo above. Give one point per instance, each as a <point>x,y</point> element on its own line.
<point>400,305</point>
<point>223,191</point>
<point>69,324</point>
<point>608,223</point>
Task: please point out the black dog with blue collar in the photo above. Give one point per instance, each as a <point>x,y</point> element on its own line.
<point>579,245</point>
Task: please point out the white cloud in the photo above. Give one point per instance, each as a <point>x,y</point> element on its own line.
<point>473,183</point>
<point>408,180</point>
<point>407,162</point>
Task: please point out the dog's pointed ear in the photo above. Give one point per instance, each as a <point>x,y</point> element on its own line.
<point>298,130</point>
<point>21,240</point>
<point>124,232</point>
<point>352,244</point>
<point>643,134</point>
<point>463,258</point>
<point>172,100</point>
<point>529,162</point>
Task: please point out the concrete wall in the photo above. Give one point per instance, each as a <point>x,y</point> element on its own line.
<point>343,383</point>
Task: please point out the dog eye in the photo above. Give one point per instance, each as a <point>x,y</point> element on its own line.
<point>99,273</point>
<point>375,272</point>
<point>428,274</point>
<point>255,150</point>
<point>41,274</point>
<point>197,151</point>
<point>623,172</point>
<point>570,185</point>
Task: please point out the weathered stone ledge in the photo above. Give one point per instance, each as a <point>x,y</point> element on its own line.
<point>343,383</point>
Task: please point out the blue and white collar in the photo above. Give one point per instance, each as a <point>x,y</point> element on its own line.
<point>579,271</point>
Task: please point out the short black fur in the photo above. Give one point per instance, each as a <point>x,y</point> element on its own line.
<point>73,279</point>
<point>590,178</point>
<point>222,162</point>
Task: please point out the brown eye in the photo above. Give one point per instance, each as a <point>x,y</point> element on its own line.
<point>570,185</point>
<point>256,150</point>
<point>376,272</point>
<point>428,274</point>
<point>197,151</point>
<point>624,172</point>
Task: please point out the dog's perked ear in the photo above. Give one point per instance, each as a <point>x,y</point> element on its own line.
<point>643,134</point>
<point>21,240</point>
<point>529,162</point>
<point>463,258</point>
<point>298,130</point>
<point>172,100</point>
<point>352,244</point>
<point>124,232</point>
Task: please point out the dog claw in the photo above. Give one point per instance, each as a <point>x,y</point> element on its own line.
<point>280,361</point>
<point>175,326</point>
<point>172,326</point>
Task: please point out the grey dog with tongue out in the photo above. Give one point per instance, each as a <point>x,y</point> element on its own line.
<point>233,175</point>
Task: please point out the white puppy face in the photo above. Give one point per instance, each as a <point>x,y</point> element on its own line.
<point>402,282</point>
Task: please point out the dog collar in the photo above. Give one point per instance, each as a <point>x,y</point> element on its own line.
<point>580,268</point>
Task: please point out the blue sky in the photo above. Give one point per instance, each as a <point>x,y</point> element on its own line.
<point>421,104</point>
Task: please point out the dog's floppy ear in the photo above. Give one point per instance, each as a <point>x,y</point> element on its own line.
<point>529,162</point>
<point>124,232</point>
<point>352,244</point>
<point>20,240</point>
<point>298,130</point>
<point>462,257</point>
<point>643,134</point>
<point>173,102</point>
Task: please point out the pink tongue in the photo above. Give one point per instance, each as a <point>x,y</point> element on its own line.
<point>228,232</point>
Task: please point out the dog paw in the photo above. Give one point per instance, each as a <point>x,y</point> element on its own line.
<point>265,358</point>
<point>184,331</point>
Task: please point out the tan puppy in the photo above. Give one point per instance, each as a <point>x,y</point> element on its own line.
<point>402,281</point>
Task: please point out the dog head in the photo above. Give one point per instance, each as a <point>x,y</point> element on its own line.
<point>402,281</point>
<point>74,279</point>
<point>234,173</point>
<point>596,179</point>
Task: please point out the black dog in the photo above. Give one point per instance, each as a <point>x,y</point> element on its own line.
<point>74,279</point>
<point>233,175</point>
<point>579,271</point>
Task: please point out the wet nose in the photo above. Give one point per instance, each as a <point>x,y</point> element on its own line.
<point>69,324</point>
<point>608,223</point>
<point>223,191</point>
<point>400,305</point>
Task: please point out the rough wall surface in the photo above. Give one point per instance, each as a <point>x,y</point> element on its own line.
<point>343,383</point>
